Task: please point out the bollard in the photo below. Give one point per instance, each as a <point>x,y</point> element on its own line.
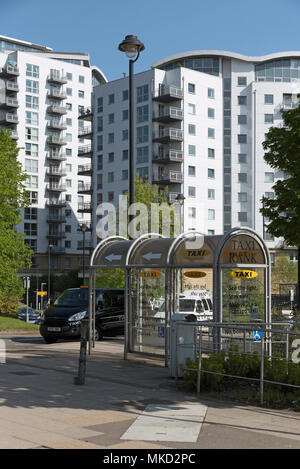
<point>80,379</point>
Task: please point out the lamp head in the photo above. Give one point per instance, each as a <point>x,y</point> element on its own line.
<point>131,46</point>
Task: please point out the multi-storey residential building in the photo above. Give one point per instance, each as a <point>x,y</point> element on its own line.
<point>200,119</point>
<point>41,94</point>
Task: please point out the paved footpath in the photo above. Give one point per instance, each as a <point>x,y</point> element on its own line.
<point>123,405</point>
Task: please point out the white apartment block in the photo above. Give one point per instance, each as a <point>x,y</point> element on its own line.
<point>42,93</point>
<point>200,119</point>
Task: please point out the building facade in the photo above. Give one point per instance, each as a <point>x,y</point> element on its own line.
<point>41,94</point>
<point>200,119</point>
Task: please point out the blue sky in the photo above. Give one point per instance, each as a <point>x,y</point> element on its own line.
<point>252,27</point>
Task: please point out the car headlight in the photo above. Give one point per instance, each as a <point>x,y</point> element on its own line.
<point>77,316</point>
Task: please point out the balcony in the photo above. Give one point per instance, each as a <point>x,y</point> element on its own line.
<point>56,156</point>
<point>85,189</point>
<point>56,235</point>
<point>57,78</point>
<point>171,156</point>
<point>289,104</point>
<point>56,94</point>
<point>14,134</point>
<point>55,124</point>
<point>84,207</point>
<point>166,94</point>
<point>168,115</point>
<point>86,114</point>
<point>168,177</point>
<point>9,103</point>
<point>167,135</point>
<point>56,110</point>
<point>56,219</point>
<point>172,196</point>
<point>9,71</point>
<point>85,151</point>
<point>85,170</point>
<point>9,119</point>
<point>11,87</point>
<point>85,132</point>
<point>57,203</point>
<point>56,187</point>
<point>54,171</point>
<point>56,140</point>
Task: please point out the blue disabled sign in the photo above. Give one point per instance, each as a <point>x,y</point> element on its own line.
<point>257,335</point>
<point>161,332</point>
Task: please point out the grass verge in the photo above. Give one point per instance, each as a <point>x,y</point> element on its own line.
<point>8,323</point>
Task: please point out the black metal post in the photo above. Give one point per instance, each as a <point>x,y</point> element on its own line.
<point>83,260</point>
<point>80,379</point>
<point>131,135</point>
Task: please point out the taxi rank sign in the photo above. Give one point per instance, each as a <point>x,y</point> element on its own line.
<point>242,252</point>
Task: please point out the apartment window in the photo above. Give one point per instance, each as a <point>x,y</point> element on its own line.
<point>111,118</point>
<point>124,174</point>
<point>142,134</point>
<point>99,124</point>
<point>31,149</point>
<point>32,86</point>
<point>242,81</point>
<point>69,76</point>
<point>242,100</point>
<point>31,166</point>
<point>68,151</point>
<point>111,99</point>
<point>211,133</point>
<point>242,158</point>
<point>192,171</point>
<point>99,162</point>
<point>242,197</point>
<point>191,212</point>
<point>211,194</point>
<point>80,94</point>
<point>270,195</point>
<point>211,173</point>
<point>143,172</point>
<point>242,119</point>
<point>110,196</point>
<point>32,70</point>
<point>191,88</point>
<point>69,91</point>
<point>269,177</point>
<point>32,118</point>
<point>211,214</point>
<point>32,102</point>
<point>125,95</point>
<point>242,177</point>
<point>68,198</point>
<point>192,150</point>
<point>211,113</point>
<point>211,93</point>
<point>210,232</point>
<point>30,213</point>
<point>100,104</point>
<point>32,243</point>
<point>242,138</point>
<point>30,229</point>
<point>67,228</point>
<point>69,183</point>
<point>125,134</point>
<point>192,129</point>
<point>191,109</point>
<point>32,133</point>
<point>142,114</point>
<point>99,143</point>
<point>142,93</point>
<point>125,115</point>
<point>110,177</point>
<point>111,137</point>
<point>125,155</point>
<point>69,106</point>
<point>269,118</point>
<point>142,155</point>
<point>192,191</point>
<point>33,197</point>
<point>211,153</point>
<point>69,137</point>
<point>68,168</point>
<point>31,182</point>
<point>242,216</point>
<point>81,79</point>
<point>269,99</point>
<point>111,157</point>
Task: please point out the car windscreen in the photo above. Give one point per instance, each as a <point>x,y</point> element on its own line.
<point>111,298</point>
<point>187,305</point>
<point>74,297</point>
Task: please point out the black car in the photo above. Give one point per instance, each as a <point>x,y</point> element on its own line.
<point>62,319</point>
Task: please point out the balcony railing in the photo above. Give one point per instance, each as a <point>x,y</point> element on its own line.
<point>9,71</point>
<point>56,187</point>
<point>9,119</point>
<point>84,207</point>
<point>167,134</point>
<point>12,87</point>
<point>57,78</point>
<point>171,156</point>
<point>60,110</point>
<point>168,93</point>
<point>86,113</point>
<point>169,177</point>
<point>56,219</point>
<point>9,103</point>
<point>84,169</point>
<point>85,189</point>
<point>56,124</point>
<point>85,150</point>
<point>55,156</point>
<point>286,105</point>
<point>85,132</point>
<point>168,115</point>
<point>53,202</point>
<point>56,94</point>
<point>56,140</point>
<point>54,171</point>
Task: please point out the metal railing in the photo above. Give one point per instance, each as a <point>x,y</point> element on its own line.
<point>168,90</point>
<point>275,341</point>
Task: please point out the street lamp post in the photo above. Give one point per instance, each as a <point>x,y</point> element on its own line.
<point>180,199</point>
<point>132,48</point>
<point>83,228</point>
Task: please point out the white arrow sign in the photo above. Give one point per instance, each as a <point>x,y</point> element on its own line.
<point>151,255</point>
<point>113,257</point>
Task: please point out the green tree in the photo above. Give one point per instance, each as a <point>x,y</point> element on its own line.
<point>283,271</point>
<point>282,150</point>
<point>14,253</point>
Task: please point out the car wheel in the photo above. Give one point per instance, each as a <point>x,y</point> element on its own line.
<point>98,334</point>
<point>50,340</point>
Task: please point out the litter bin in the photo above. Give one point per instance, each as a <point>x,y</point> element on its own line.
<point>185,342</point>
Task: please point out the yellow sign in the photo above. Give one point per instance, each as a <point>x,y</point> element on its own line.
<point>194,274</point>
<point>150,274</point>
<point>42,293</point>
<point>195,253</point>
<point>243,274</point>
